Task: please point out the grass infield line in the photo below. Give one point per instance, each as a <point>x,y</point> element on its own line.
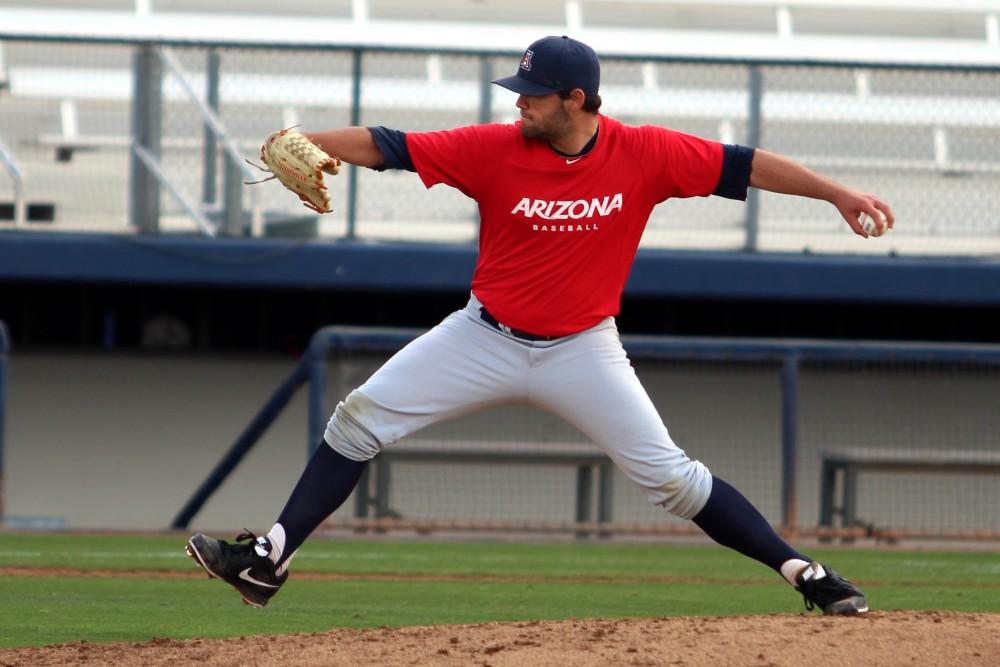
<point>457,578</point>
<point>337,576</point>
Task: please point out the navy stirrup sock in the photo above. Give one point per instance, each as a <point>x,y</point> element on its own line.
<point>730,519</point>
<point>325,484</point>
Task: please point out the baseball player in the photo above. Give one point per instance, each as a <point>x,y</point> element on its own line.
<point>564,195</point>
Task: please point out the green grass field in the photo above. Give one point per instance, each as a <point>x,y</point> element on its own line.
<point>483,582</point>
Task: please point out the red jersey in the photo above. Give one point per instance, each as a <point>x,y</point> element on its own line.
<point>558,234</point>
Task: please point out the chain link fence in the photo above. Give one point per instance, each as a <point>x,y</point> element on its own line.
<point>927,140</point>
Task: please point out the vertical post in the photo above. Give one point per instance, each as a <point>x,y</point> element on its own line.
<point>827,485</point>
<point>992,28</point>
<point>383,479</point>
<point>789,440</point>
<point>233,223</point>
<point>4,347</point>
<point>147,110</point>
<point>210,154</point>
<point>584,493</point>
<point>362,495</point>
<point>20,206</point>
<point>605,491</point>
<point>848,518</point>
<point>232,199</point>
<point>485,114</point>
<point>485,89</point>
<point>318,351</point>
<point>352,172</point>
<point>756,94</point>
<point>317,389</point>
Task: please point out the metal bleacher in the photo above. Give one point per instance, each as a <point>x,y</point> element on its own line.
<point>900,97</point>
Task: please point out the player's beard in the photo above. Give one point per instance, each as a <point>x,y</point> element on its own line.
<point>548,128</point>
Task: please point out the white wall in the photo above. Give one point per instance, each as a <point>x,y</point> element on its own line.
<point>122,441</point>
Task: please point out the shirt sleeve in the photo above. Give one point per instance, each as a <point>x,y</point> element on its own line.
<point>679,164</point>
<point>392,143</point>
<point>735,179</point>
<point>465,158</point>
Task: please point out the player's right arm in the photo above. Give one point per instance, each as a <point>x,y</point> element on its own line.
<point>353,145</point>
<point>777,173</point>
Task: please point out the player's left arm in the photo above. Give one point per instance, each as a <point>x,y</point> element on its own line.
<point>776,173</point>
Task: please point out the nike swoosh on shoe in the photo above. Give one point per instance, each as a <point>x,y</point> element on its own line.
<point>245,576</point>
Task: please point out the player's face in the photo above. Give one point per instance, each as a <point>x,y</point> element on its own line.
<point>543,117</point>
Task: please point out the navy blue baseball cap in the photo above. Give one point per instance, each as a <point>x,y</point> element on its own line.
<point>552,64</point>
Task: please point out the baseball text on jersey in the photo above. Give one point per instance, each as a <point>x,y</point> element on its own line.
<point>566,228</point>
<point>569,210</point>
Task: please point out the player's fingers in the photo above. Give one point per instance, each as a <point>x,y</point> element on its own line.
<point>886,211</point>
<point>881,226</point>
<point>856,221</point>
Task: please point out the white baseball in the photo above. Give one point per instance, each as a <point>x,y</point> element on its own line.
<point>868,224</point>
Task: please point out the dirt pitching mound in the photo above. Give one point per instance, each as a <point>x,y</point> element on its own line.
<point>877,638</point>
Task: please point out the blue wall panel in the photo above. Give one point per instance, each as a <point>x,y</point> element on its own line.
<point>432,267</point>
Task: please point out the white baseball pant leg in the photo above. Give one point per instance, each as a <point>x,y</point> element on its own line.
<point>591,384</point>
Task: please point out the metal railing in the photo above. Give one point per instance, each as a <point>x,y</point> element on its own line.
<point>788,355</point>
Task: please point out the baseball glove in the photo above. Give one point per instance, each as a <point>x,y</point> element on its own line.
<point>299,164</point>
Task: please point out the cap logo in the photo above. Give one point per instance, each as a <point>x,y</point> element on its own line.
<point>526,60</point>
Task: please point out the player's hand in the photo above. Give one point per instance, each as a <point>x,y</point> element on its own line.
<point>853,206</point>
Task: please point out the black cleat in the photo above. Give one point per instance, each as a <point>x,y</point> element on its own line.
<point>245,567</point>
<point>822,587</point>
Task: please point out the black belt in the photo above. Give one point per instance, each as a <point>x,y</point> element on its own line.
<point>485,316</point>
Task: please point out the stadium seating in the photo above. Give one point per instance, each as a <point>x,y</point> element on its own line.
<point>928,140</point>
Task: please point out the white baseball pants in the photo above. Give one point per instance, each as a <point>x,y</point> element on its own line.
<point>464,364</point>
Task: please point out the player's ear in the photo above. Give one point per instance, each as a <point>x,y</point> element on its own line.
<point>577,97</point>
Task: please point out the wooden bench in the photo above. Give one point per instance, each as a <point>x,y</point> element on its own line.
<point>594,469</point>
<point>846,463</point>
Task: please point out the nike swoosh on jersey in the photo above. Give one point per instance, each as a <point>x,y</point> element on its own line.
<point>572,161</point>
<point>245,576</point>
